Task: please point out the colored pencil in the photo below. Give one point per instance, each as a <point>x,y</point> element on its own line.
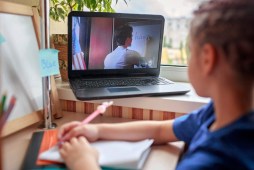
<point>100,109</point>
<point>2,103</point>
<point>7,113</point>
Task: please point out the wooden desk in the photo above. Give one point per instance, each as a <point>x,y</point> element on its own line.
<point>15,146</point>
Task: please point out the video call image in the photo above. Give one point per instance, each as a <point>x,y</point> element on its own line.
<point>114,43</point>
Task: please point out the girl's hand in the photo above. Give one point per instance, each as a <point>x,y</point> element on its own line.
<point>76,129</point>
<point>79,154</point>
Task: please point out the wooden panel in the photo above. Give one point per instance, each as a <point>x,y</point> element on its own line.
<point>137,113</point>
<point>21,123</point>
<point>64,105</point>
<point>157,115</point>
<point>80,107</point>
<point>71,106</point>
<point>127,112</point>
<point>146,114</point>
<point>119,111</point>
<point>89,108</point>
<point>108,112</point>
<point>36,22</point>
<point>116,111</point>
<point>168,115</point>
<point>55,103</point>
<point>12,8</point>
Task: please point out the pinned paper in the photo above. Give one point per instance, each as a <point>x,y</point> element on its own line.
<point>49,62</point>
<point>1,39</point>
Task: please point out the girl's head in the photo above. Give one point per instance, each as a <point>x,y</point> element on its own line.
<point>223,29</point>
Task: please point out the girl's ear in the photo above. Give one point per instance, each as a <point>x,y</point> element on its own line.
<point>208,58</point>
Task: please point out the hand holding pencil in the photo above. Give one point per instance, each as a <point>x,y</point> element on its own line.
<point>76,128</point>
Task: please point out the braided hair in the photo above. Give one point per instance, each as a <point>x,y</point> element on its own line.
<point>228,25</point>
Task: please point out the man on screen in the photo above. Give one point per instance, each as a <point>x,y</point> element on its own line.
<point>122,57</point>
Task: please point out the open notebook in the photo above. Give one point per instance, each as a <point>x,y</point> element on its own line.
<point>112,154</point>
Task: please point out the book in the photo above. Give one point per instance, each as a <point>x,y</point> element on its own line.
<point>30,161</point>
<point>43,152</point>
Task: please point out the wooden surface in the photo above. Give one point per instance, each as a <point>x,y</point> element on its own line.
<point>14,146</point>
<point>172,103</point>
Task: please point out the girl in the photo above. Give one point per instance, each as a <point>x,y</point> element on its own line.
<point>221,134</point>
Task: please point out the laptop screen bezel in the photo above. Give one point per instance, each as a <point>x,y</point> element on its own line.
<point>112,72</point>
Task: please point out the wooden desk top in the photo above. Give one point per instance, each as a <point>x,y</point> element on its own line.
<point>15,146</point>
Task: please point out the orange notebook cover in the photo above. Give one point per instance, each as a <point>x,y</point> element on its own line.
<point>49,140</point>
<point>40,142</point>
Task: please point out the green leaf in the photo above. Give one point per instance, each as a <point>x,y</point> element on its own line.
<point>59,9</point>
<point>62,3</point>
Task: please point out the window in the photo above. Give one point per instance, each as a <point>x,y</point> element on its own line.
<point>177,16</point>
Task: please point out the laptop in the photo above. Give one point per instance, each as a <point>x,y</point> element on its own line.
<point>115,55</point>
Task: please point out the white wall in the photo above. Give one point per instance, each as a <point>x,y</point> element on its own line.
<point>147,48</point>
<point>55,27</point>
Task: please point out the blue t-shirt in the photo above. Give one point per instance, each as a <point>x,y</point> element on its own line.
<point>231,147</point>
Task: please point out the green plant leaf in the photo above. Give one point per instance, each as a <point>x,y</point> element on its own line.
<point>59,9</point>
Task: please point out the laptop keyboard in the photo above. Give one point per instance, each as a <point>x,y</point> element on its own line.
<point>81,83</point>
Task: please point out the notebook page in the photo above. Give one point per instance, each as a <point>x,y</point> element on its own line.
<point>118,154</point>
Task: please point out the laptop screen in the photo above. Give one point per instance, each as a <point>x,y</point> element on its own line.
<point>106,43</point>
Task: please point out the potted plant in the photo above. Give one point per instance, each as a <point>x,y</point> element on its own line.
<point>59,10</point>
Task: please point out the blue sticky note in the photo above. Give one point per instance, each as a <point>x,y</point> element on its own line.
<point>49,62</point>
<point>1,39</point>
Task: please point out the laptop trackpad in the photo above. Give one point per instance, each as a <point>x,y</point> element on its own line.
<point>122,89</point>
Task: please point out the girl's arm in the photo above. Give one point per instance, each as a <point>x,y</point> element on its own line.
<point>160,131</point>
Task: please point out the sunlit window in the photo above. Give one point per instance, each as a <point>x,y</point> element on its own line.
<point>177,14</point>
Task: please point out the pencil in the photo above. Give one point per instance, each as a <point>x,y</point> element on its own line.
<point>100,109</point>
<point>7,113</point>
<point>3,103</point>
